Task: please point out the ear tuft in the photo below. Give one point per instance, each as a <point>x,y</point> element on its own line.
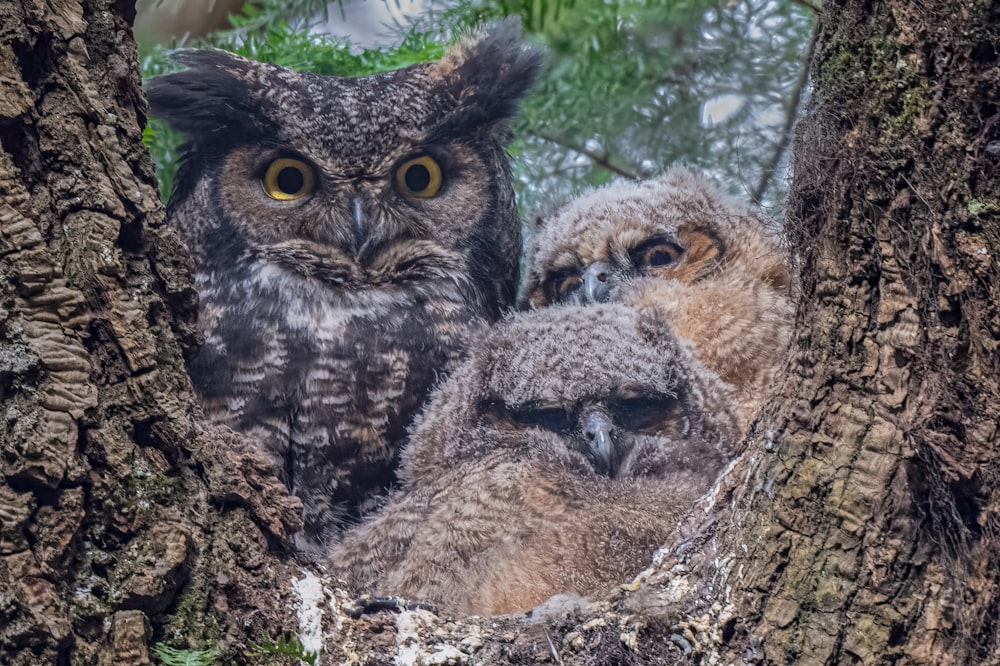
<point>491,69</point>
<point>213,93</point>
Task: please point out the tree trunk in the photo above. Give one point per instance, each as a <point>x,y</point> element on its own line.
<point>860,526</point>
<point>121,522</point>
<point>868,518</point>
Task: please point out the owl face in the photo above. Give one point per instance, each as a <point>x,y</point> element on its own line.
<point>678,227</point>
<point>365,183</point>
<point>292,204</point>
<point>615,433</point>
<point>349,235</point>
<point>557,458</point>
<point>605,390</point>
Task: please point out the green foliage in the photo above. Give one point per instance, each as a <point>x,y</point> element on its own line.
<point>271,32</point>
<point>295,47</point>
<point>259,15</point>
<point>630,87</point>
<point>288,645</point>
<point>169,656</point>
<point>604,56</point>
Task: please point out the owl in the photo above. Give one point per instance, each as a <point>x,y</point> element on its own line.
<point>556,459</point>
<point>348,234</point>
<point>719,275</point>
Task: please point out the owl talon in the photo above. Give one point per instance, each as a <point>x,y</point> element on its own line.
<point>366,605</point>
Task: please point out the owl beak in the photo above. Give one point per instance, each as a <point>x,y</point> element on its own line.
<point>597,282</point>
<point>360,226</point>
<point>600,450</point>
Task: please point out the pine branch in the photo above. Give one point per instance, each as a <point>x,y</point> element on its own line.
<point>791,115</point>
<point>595,157</point>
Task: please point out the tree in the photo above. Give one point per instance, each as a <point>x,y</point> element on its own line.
<point>860,526</point>
<point>112,531</point>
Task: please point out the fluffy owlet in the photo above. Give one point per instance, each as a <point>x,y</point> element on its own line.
<point>556,459</point>
<point>720,276</point>
<point>348,234</point>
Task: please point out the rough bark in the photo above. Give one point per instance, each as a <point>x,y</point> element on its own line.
<point>870,520</point>
<point>860,526</point>
<point>121,522</point>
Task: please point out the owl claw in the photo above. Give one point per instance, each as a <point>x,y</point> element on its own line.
<point>366,605</point>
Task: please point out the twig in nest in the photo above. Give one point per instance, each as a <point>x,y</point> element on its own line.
<point>552,647</point>
<point>367,605</point>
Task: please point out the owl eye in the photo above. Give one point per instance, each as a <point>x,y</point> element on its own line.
<point>419,178</point>
<point>288,179</point>
<point>641,410</point>
<point>563,285</point>
<point>531,415</point>
<point>656,252</point>
<point>554,419</point>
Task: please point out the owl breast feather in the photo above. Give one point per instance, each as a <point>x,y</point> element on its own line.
<point>327,379</point>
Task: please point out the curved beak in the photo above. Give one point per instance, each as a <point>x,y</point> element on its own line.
<point>596,282</point>
<point>359,224</point>
<point>600,449</point>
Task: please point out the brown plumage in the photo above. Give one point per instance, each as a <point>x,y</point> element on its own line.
<point>348,235</point>
<point>556,459</point>
<point>720,276</point>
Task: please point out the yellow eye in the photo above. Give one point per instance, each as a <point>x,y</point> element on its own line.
<point>419,178</point>
<point>287,179</point>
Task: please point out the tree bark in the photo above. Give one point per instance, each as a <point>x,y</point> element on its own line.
<point>860,525</point>
<point>121,521</point>
<point>869,517</point>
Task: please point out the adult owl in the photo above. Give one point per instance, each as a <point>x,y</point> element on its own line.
<point>556,459</point>
<point>348,234</point>
<point>713,267</point>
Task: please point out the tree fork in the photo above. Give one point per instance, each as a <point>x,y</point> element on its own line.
<point>859,526</point>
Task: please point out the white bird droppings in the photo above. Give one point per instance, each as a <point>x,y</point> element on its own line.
<point>310,594</point>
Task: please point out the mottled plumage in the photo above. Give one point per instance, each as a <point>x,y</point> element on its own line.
<point>556,459</point>
<point>348,234</point>
<point>720,276</point>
